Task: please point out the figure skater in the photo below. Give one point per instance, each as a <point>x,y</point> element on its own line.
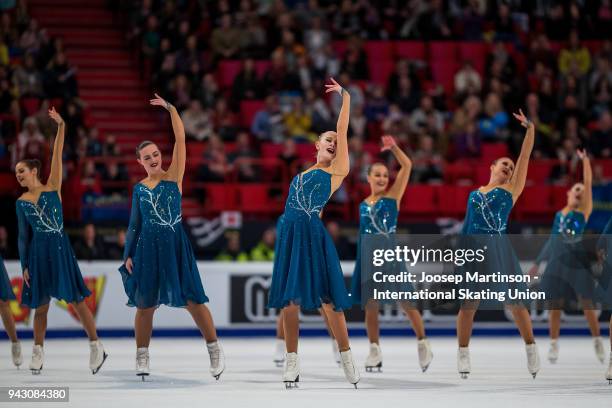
<point>159,264</point>
<point>307,270</point>
<point>567,271</point>
<point>378,215</point>
<point>486,218</point>
<point>48,263</point>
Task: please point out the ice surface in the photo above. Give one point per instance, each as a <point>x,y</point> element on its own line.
<point>180,378</point>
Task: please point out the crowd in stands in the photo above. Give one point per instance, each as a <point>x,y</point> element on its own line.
<point>536,58</point>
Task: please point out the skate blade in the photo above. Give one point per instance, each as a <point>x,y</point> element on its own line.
<point>609,381</point>
<point>374,369</point>
<point>142,376</point>
<point>217,375</point>
<point>464,375</point>
<point>292,384</point>
<point>355,384</point>
<point>424,368</point>
<point>279,363</point>
<point>534,375</point>
<point>95,371</point>
<point>36,371</point>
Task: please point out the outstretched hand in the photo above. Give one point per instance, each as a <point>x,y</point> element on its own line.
<point>582,154</point>
<point>333,87</point>
<point>159,101</point>
<point>526,123</point>
<point>388,143</point>
<point>55,116</point>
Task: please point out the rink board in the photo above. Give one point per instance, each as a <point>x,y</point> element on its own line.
<point>238,296</point>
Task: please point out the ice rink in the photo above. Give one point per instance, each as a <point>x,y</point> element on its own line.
<point>180,378</point>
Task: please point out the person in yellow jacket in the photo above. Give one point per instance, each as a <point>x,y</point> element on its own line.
<point>232,251</point>
<point>264,250</point>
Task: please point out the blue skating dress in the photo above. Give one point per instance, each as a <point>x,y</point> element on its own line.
<point>567,270</point>
<point>164,266</point>
<point>44,249</point>
<point>485,225</point>
<point>379,218</point>
<point>6,289</point>
<point>306,265</point>
<point>604,288</point>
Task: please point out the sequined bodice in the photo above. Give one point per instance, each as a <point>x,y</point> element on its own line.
<point>378,218</point>
<point>160,206</point>
<point>308,194</point>
<point>44,217</point>
<point>487,213</point>
<point>570,225</point>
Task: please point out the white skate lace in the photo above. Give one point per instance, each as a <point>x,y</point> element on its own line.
<point>291,364</point>
<point>37,353</point>
<point>93,353</point>
<point>141,359</point>
<point>214,356</point>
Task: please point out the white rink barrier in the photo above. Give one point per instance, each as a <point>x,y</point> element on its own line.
<point>238,296</point>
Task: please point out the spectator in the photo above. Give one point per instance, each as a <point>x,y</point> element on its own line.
<point>254,40</point>
<point>316,39</point>
<point>355,62</point>
<point>232,250</point>
<point>427,163</point>
<point>30,142</point>
<point>264,250</point>
<point>197,121</point>
<point>278,77</point>
<point>289,155</point>
<point>116,249</point>
<point>115,179</point>
<point>600,143</point>
<point>216,166</point>
<point>5,250</point>
<point>321,115</point>
<point>31,38</point>
<point>90,181</point>
<point>493,125</point>
<point>360,160</point>
<point>224,121</point>
<point>357,95</point>
<point>90,246</point>
<point>426,117</point>
<point>298,121</point>
<point>60,79</point>
<point>226,39</point>
<point>246,84</point>
<point>290,50</point>
<point>467,81</point>
<point>208,91</point>
<point>27,79</point>
<point>576,58</point>
<point>268,123</point>
<point>468,144</point>
<point>241,159</point>
<point>358,123</point>
<point>377,106</point>
<point>151,38</point>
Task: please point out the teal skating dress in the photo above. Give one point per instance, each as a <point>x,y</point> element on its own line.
<point>164,266</point>
<point>485,225</point>
<point>6,289</point>
<point>379,218</point>
<point>306,265</point>
<point>44,249</point>
<point>567,270</point>
<point>604,288</point>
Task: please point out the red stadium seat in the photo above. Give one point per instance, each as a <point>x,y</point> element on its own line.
<point>339,47</point>
<point>380,70</point>
<point>8,183</point>
<point>559,196</point>
<point>261,67</point>
<point>453,199</point>
<point>475,52</point>
<point>444,73</point>
<point>220,197</point>
<point>442,51</point>
<point>256,199</point>
<point>306,150</point>
<point>30,105</point>
<point>227,71</point>
<point>248,109</point>
<point>459,170</point>
<point>493,151</point>
<point>539,171</point>
<point>534,202</point>
<point>419,200</point>
<point>412,50</point>
<point>270,150</point>
<point>379,50</point>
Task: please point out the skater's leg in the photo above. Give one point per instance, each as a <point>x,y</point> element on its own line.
<point>86,319</point>
<point>143,326</point>
<point>337,322</point>
<point>415,318</point>
<point>40,324</point>
<point>291,324</point>
<point>8,321</point>
<point>203,319</point>
<point>523,323</point>
<point>554,323</point>
<point>371,321</point>
<point>327,325</point>
<point>591,316</point>
<point>465,321</point>
<point>280,328</point>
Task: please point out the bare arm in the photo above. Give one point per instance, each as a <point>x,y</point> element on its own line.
<point>55,177</point>
<point>341,164</point>
<point>176,170</point>
<point>401,181</point>
<point>517,182</point>
<point>587,180</point>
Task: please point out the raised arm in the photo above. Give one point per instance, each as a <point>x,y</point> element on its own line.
<point>179,152</point>
<point>55,177</point>
<point>517,182</point>
<point>401,181</point>
<point>587,180</point>
<point>341,164</point>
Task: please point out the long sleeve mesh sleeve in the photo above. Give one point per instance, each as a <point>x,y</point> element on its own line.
<point>23,240</point>
<point>133,231</point>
